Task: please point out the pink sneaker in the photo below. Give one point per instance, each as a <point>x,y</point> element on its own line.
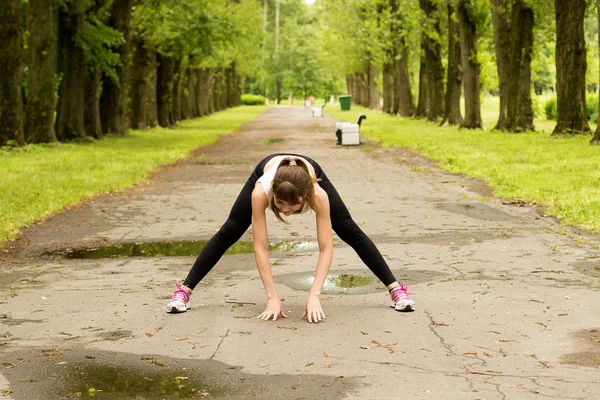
<point>180,302</point>
<point>402,301</point>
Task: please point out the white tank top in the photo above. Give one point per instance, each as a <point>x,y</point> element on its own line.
<point>266,181</point>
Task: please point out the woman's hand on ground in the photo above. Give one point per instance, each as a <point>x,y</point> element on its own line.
<point>313,311</point>
<point>273,311</point>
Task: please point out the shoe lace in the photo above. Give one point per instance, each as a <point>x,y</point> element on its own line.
<point>180,295</point>
<point>400,293</point>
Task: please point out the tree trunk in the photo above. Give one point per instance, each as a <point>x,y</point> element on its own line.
<point>423,102</point>
<point>500,21</point>
<point>388,87</point>
<point>452,115</point>
<point>192,99</point>
<point>175,114</point>
<point>596,137</point>
<point>403,99</point>
<point>41,45</point>
<point>164,89</point>
<point>351,83</point>
<point>264,47</point>
<point>71,99</point>
<point>433,61</point>
<point>372,89</point>
<point>143,89</point>
<point>114,94</point>
<point>570,67</point>
<point>92,121</point>
<point>470,67</point>
<point>204,79</point>
<point>11,73</point>
<point>520,109</point>
<point>277,77</point>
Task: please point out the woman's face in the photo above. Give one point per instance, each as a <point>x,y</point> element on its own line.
<point>288,208</point>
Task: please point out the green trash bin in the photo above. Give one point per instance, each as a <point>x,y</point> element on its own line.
<point>345,101</point>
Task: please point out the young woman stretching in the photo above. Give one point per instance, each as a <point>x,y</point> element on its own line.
<point>290,184</point>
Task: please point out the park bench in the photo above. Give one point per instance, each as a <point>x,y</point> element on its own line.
<point>347,133</point>
<point>318,111</point>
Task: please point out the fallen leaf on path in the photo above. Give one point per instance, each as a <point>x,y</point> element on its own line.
<point>386,346</point>
<point>474,353</point>
<point>293,328</point>
<point>159,363</point>
<point>326,354</point>
<point>364,332</point>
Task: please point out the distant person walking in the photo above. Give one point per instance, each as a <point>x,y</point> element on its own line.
<point>290,184</point>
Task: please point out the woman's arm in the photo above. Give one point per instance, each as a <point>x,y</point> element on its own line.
<point>313,310</point>
<point>261,254</point>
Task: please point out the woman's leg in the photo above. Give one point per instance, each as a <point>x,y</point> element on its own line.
<point>349,232</point>
<point>232,230</point>
<point>238,221</point>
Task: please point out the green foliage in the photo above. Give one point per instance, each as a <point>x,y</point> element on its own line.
<point>28,193</point>
<point>253,100</point>
<point>591,108</point>
<point>98,40</point>
<point>550,109</point>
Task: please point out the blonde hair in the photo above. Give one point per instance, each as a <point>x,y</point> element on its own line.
<point>293,184</point>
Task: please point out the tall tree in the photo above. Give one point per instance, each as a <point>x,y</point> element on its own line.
<point>70,110</point>
<point>41,100</point>
<point>520,109</point>
<point>452,115</point>
<point>433,59</point>
<point>501,24</point>
<point>113,101</point>
<point>263,52</point>
<point>423,100</point>
<point>373,92</point>
<point>470,65</point>
<point>404,104</point>
<point>11,70</point>
<point>570,67</point>
<point>277,76</point>
<point>596,137</point>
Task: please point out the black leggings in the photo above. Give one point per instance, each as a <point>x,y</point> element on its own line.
<point>240,219</point>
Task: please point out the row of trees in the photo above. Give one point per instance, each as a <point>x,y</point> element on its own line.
<point>70,69</point>
<point>443,41</point>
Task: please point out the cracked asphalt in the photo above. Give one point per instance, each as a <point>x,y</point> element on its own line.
<point>506,299</point>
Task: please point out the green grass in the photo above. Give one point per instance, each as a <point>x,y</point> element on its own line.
<point>39,180</point>
<point>561,174</point>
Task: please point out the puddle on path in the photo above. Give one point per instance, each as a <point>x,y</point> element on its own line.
<point>587,349</point>
<point>173,249</point>
<point>89,373</point>
<point>354,281</point>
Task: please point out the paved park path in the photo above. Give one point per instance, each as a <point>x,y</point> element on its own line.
<point>507,302</point>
